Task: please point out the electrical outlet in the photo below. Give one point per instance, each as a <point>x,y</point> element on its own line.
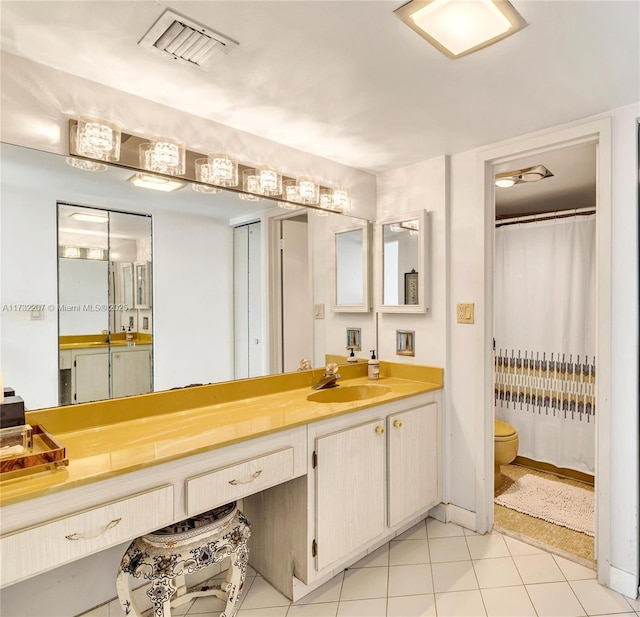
<point>465,313</point>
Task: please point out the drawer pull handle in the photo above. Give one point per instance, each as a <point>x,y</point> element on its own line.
<point>397,423</point>
<point>379,430</point>
<point>251,479</point>
<point>79,536</point>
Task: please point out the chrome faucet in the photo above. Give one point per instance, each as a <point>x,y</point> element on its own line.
<point>329,378</point>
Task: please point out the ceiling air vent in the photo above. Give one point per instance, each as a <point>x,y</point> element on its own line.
<point>183,39</point>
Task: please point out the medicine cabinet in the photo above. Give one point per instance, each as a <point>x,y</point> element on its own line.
<point>403,281</point>
<point>350,269</point>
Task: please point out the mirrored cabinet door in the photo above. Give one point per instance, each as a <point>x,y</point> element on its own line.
<point>350,271</point>
<point>403,270</point>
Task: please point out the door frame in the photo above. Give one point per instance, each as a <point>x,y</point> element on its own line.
<point>598,132</point>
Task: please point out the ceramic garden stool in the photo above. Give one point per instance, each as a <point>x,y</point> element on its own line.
<point>165,556</point>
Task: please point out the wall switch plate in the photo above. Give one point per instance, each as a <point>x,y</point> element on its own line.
<point>465,313</point>
<point>36,315</point>
<point>318,311</point>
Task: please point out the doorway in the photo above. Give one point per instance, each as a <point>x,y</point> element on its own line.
<point>598,132</point>
<point>544,349</point>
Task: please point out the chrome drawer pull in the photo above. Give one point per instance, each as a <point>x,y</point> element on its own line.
<point>253,477</point>
<point>79,536</point>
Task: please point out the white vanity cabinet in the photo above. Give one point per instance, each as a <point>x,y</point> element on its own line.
<point>130,370</point>
<point>90,375</point>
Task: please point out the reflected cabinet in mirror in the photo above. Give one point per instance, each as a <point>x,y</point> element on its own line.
<point>350,269</point>
<point>104,300</point>
<point>403,281</point>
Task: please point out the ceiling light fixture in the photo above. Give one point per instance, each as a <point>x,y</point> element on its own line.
<point>97,139</point>
<point>521,176</point>
<point>224,169</point>
<point>163,155</point>
<point>250,185</point>
<point>291,194</point>
<point>342,199</point>
<point>148,181</point>
<point>460,27</point>
<point>309,191</point>
<point>269,180</point>
<point>89,218</point>
<point>71,252</point>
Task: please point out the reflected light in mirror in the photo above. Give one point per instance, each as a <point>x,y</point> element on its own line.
<point>89,218</point>
<point>148,181</point>
<point>85,165</point>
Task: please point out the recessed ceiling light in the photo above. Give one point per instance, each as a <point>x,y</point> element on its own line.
<point>460,27</point>
<point>505,183</point>
<point>522,176</point>
<point>148,181</point>
<point>89,218</point>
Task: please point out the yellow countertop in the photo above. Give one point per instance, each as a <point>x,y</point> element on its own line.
<point>194,420</point>
<point>92,341</point>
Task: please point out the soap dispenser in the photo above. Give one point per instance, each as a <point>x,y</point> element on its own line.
<point>373,368</point>
<point>129,335</point>
<point>352,357</point>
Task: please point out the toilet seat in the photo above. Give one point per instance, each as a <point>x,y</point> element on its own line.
<point>504,431</point>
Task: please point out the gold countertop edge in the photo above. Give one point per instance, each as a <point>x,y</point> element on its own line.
<point>332,410</point>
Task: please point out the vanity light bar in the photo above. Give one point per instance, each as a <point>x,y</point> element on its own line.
<point>172,167</point>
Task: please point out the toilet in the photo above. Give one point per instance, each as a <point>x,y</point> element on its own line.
<point>506,448</point>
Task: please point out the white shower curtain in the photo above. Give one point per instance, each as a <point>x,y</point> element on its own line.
<point>545,313</point>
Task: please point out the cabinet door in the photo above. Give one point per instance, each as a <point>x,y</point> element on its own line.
<point>413,462</point>
<point>130,372</point>
<point>349,490</point>
<point>91,377</point>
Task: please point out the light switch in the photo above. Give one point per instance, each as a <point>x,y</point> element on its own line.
<point>318,311</point>
<point>465,313</point>
<point>36,315</point>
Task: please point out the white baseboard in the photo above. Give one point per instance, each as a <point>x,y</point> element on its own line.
<point>450,513</point>
<point>623,582</point>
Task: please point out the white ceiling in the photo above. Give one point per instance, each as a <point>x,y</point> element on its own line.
<point>348,80</point>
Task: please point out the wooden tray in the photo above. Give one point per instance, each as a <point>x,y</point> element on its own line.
<point>47,452</point>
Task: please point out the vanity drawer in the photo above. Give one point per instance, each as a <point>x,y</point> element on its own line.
<point>220,486</point>
<point>60,541</point>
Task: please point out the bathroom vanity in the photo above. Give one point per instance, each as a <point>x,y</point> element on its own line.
<point>323,482</point>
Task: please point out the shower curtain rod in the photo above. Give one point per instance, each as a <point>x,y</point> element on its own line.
<point>545,216</point>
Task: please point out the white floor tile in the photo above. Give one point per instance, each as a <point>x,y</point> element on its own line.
<point>596,599</point>
<point>205,606</point>
<point>323,609</point>
<point>379,557</point>
<point>460,604</point>
<point>573,571</point>
<point>364,584</point>
<point>329,592</point>
<point>508,602</point>
<point>487,546</point>
<point>405,552</point>
<point>273,611</point>
<point>417,532</point>
<point>517,547</point>
<point>498,572</point>
<point>634,604</point>
<point>410,580</point>
<point>261,594</point>
<point>470,532</point>
<point>412,606</point>
<point>453,576</point>
<point>363,608</point>
<point>538,569</point>
<point>436,529</point>
<point>554,600</point>
<point>448,549</point>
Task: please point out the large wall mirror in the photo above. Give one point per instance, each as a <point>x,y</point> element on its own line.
<point>403,287</point>
<point>179,296</point>
<point>351,265</point>
<point>104,304</point>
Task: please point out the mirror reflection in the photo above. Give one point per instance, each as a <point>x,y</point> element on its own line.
<point>104,301</point>
<point>181,298</point>
<point>351,269</point>
<point>404,264</point>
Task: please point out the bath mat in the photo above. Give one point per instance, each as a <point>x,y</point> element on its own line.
<point>556,502</point>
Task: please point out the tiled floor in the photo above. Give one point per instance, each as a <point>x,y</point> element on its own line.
<point>437,570</point>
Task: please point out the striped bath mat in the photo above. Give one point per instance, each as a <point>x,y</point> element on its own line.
<point>556,502</point>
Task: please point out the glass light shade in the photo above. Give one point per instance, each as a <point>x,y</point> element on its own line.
<point>395,227</point>
<point>203,188</point>
<point>290,193</point>
<point>95,254</point>
<point>269,180</point>
<point>309,191</point>
<point>342,199</point>
<point>250,185</point>
<point>148,181</point>
<point>98,139</point>
<point>505,183</point>
<point>71,252</point>
<point>163,155</point>
<point>326,199</point>
<point>85,165</point>
<point>224,169</point>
